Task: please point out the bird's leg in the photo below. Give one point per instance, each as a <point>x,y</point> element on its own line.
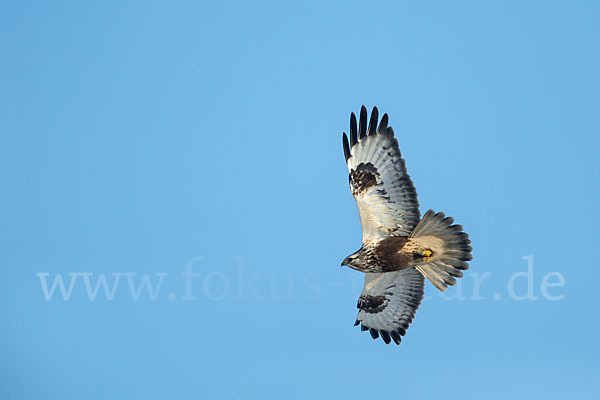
<point>427,254</point>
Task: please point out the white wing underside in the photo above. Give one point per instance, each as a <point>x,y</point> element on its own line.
<point>400,294</point>
<point>389,208</point>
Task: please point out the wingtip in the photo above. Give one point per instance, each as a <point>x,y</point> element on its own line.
<point>363,122</point>
<point>353,125</point>
<point>373,121</point>
<point>396,337</point>
<point>346,146</point>
<point>385,336</point>
<point>383,124</point>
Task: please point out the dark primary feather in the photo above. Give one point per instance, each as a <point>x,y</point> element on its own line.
<point>352,130</point>
<point>373,121</point>
<point>396,337</point>
<point>388,337</point>
<point>385,336</point>
<point>363,121</point>
<point>346,146</point>
<point>384,123</point>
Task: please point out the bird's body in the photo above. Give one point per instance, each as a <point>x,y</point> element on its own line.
<point>390,254</point>
<point>399,247</point>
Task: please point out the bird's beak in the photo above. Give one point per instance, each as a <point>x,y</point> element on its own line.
<point>344,263</point>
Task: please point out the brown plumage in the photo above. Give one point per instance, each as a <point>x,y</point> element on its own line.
<point>390,254</point>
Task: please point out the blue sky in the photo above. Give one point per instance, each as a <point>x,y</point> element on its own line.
<point>141,140</point>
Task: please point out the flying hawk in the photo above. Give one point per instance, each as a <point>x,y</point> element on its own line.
<point>399,248</point>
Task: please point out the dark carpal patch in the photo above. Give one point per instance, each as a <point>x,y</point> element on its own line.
<point>363,177</point>
<point>371,304</point>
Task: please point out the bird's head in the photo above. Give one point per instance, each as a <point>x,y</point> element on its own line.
<point>354,261</point>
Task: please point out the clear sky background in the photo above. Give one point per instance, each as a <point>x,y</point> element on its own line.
<point>145,137</point>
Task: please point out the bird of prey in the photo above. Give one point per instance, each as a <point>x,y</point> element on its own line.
<point>399,248</point>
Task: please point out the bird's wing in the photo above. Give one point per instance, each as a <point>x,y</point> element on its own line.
<point>388,303</point>
<point>385,195</point>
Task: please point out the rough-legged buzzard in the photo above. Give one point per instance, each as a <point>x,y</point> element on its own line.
<point>399,248</point>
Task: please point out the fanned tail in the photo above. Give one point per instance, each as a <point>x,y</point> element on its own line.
<point>449,246</point>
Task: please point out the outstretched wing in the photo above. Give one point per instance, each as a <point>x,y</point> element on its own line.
<point>385,195</point>
<point>388,303</point>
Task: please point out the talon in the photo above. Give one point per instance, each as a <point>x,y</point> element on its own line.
<point>427,254</point>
